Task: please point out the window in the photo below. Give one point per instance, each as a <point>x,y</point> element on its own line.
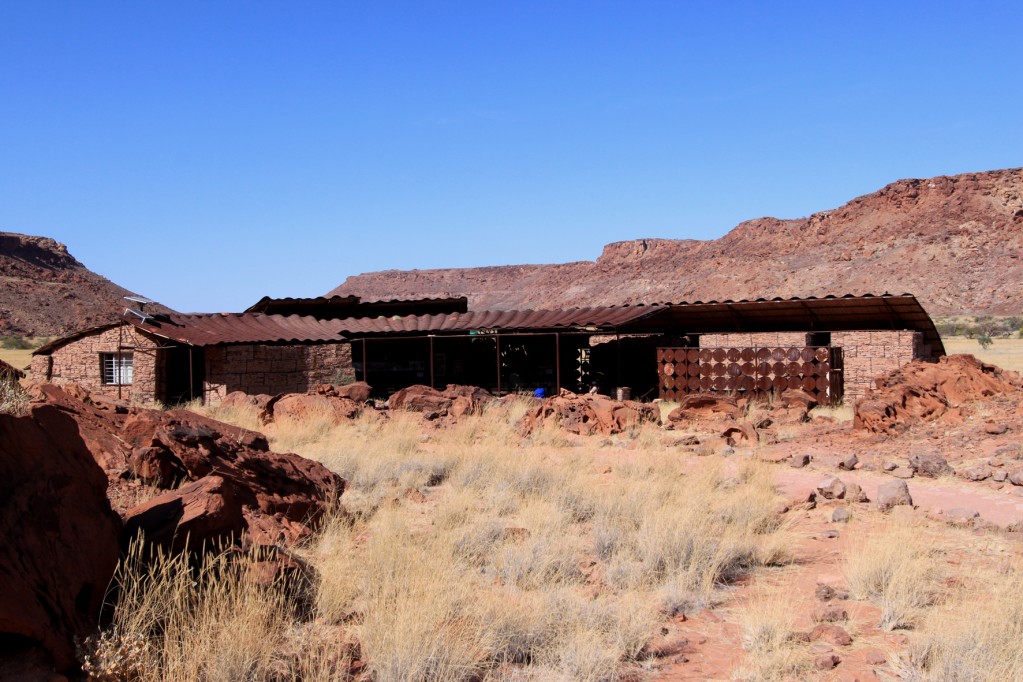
<point>116,369</point>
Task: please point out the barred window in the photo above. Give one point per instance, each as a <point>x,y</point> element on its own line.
<point>117,369</point>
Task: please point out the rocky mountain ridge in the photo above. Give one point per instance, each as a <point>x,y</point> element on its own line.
<point>45,291</point>
<point>956,242</point>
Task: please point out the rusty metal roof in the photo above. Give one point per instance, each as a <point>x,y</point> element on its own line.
<point>813,314</point>
<point>336,307</point>
<point>226,328</point>
<point>497,320</point>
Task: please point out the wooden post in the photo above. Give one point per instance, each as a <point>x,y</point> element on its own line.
<point>365,365</point>
<point>557,363</point>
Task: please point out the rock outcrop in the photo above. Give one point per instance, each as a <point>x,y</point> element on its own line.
<point>954,241</point>
<point>45,291</point>
<point>923,391</point>
<point>219,477</point>
<point>60,534</point>
<point>590,414</point>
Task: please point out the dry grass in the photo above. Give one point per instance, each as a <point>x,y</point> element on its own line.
<point>1005,353</point>
<point>896,567</point>
<point>13,398</point>
<point>767,627</point>
<point>472,552</point>
<point>977,637</point>
<point>19,358</point>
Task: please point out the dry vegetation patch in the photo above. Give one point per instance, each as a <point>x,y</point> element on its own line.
<point>474,552</point>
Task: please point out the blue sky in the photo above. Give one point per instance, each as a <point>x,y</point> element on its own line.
<point>208,153</point>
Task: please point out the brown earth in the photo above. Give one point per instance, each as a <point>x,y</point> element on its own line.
<point>956,242</point>
<point>45,291</point>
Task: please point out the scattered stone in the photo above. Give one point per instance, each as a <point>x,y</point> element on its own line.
<point>824,592</point>
<point>930,465</point>
<point>830,613</point>
<point>977,473</point>
<point>962,514</point>
<point>893,493</point>
<point>995,428</point>
<point>902,472</point>
<point>875,657</point>
<point>854,493</point>
<point>740,432</point>
<point>999,476</point>
<point>831,488</point>
<point>832,634</point>
<point>826,662</point>
<point>890,466</point>
<point>840,515</point>
<point>798,461</point>
<point>849,462</point>
<point>1016,477</point>
<point>831,534</point>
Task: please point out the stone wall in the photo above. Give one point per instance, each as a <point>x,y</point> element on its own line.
<point>872,354</point>
<point>755,340</point>
<point>270,369</point>
<point>79,362</point>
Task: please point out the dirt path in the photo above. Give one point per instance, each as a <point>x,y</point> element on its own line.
<point>1000,507</point>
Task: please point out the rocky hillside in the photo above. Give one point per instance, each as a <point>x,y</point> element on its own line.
<point>956,242</point>
<point>45,291</point>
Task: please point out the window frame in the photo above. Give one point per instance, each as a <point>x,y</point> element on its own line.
<point>117,369</point>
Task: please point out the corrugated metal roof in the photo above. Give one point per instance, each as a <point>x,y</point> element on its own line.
<point>224,328</point>
<point>823,314</point>
<point>265,303</point>
<point>505,320</point>
<point>828,313</point>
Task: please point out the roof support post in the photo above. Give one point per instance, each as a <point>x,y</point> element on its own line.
<point>365,366</point>
<point>432,382</point>
<point>557,363</point>
<point>497,347</point>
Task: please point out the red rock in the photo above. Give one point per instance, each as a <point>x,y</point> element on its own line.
<point>60,534</point>
<point>590,414</point>
<point>893,493</point>
<point>794,397</point>
<point>930,464</point>
<point>419,398</point>
<point>703,406</point>
<point>995,429</point>
<point>876,657</point>
<point>830,613</point>
<point>359,391</point>
<point>740,432</point>
<point>276,495</point>
<point>831,488</point>
<point>204,512</point>
<point>833,634</point>
<point>302,407</point>
<point>923,391</point>
<point>826,662</point>
<point>242,399</point>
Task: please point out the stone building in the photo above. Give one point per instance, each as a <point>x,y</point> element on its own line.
<point>832,346</point>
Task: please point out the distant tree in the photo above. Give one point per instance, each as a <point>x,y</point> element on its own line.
<point>985,340</point>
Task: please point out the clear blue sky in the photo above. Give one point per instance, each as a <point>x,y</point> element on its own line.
<point>208,153</point>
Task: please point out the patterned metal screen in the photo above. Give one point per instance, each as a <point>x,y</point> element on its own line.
<point>755,371</point>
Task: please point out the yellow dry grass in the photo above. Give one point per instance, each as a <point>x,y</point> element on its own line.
<point>465,553</point>
<point>17,358</point>
<point>1005,353</point>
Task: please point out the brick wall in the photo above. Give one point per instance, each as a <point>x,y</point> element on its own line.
<point>872,354</point>
<point>275,369</point>
<point>755,340</point>
<point>78,362</point>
